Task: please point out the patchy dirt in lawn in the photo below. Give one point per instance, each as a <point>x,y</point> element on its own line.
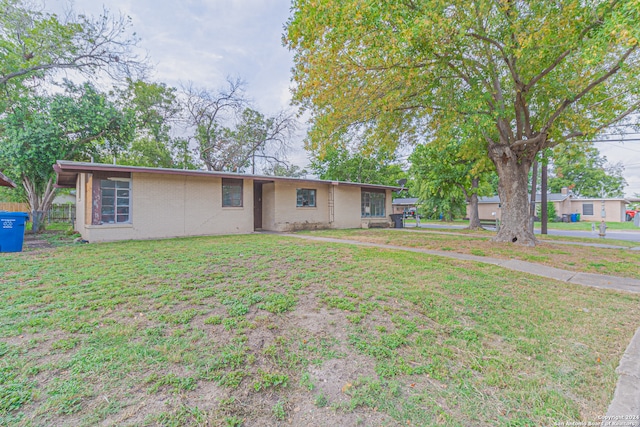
<point>35,241</point>
<point>266,330</point>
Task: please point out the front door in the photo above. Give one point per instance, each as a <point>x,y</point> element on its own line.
<point>257,205</point>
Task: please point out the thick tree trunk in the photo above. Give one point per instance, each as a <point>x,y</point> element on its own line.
<point>40,204</point>
<point>472,199</point>
<point>513,173</point>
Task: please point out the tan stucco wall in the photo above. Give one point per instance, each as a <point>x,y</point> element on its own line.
<point>287,216</point>
<point>485,211</point>
<point>164,206</point>
<point>173,205</point>
<point>614,210</point>
<point>346,207</point>
<point>280,212</point>
<point>81,203</point>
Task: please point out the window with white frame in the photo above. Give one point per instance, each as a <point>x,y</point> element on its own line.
<point>305,197</point>
<point>587,209</point>
<point>231,192</point>
<point>372,203</point>
<point>116,201</point>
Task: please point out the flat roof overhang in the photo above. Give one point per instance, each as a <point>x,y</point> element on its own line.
<point>67,173</point>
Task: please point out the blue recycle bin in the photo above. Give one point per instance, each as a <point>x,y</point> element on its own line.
<point>574,217</point>
<point>12,230</point>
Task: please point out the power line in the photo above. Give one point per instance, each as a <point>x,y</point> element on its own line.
<point>620,146</point>
<point>613,140</point>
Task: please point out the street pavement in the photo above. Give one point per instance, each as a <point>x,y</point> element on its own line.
<point>629,235</point>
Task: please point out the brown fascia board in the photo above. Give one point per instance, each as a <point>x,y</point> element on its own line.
<point>598,199</point>
<point>72,169</point>
<point>6,182</point>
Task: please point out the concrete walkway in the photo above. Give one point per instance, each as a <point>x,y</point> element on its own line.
<point>559,242</point>
<point>585,279</point>
<point>625,406</point>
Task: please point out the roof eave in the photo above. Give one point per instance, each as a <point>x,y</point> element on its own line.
<point>72,169</point>
<point>6,182</point>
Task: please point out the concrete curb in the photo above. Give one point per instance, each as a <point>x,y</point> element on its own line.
<point>625,406</point>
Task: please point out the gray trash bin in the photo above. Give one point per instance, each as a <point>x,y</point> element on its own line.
<point>397,220</point>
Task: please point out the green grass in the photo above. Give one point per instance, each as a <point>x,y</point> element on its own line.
<point>611,261</point>
<point>582,225</point>
<point>246,330</point>
<point>586,225</point>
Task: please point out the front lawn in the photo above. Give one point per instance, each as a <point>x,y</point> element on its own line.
<point>579,226</point>
<point>615,262</point>
<point>265,330</point>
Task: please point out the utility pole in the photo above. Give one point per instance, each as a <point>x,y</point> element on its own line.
<point>532,204</point>
<point>543,199</point>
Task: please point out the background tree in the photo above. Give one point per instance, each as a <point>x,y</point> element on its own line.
<point>446,181</point>
<point>207,112</point>
<point>39,130</point>
<point>156,110</point>
<point>256,136</point>
<point>34,45</point>
<point>292,171</point>
<point>527,74</point>
<point>229,134</point>
<point>586,173</point>
<point>338,163</point>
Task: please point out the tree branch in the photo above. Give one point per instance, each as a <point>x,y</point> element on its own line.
<point>587,89</point>
<point>621,116</point>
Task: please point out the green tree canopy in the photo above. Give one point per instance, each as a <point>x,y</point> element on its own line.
<point>586,173</point>
<point>156,109</point>
<point>446,181</point>
<point>526,74</point>
<point>35,44</point>
<point>337,163</point>
<point>74,125</point>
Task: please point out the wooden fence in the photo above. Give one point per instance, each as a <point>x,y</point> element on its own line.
<point>14,207</point>
<point>57,213</point>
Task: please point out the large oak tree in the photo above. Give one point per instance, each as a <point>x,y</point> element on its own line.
<point>526,74</point>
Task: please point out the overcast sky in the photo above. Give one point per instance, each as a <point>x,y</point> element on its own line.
<point>204,41</point>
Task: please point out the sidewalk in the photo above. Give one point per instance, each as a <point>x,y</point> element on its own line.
<point>626,399</point>
<point>585,279</point>
<point>412,229</point>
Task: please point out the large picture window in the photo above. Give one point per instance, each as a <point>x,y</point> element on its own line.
<point>231,192</point>
<point>372,203</point>
<point>305,197</point>
<point>587,209</point>
<point>116,201</point>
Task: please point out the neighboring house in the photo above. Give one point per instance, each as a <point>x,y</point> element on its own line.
<point>65,199</point>
<point>127,202</point>
<point>565,203</point>
<point>404,205</point>
<point>611,210</point>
